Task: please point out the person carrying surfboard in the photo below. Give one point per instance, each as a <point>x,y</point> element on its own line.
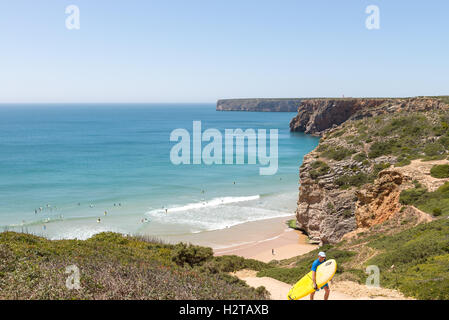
<point>316,263</point>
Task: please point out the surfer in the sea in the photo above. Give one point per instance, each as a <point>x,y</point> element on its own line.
<point>316,263</point>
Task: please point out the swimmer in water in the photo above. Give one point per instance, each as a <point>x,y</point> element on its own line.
<point>105,213</point>
<point>98,220</point>
<point>166,210</point>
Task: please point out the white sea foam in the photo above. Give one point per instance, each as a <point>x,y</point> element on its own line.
<point>216,214</point>
<point>205,204</point>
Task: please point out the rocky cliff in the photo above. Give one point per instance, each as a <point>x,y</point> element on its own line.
<point>317,116</point>
<point>354,177</point>
<point>261,105</point>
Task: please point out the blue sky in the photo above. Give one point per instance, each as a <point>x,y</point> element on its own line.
<point>204,50</point>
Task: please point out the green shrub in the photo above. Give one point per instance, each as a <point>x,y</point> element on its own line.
<point>320,168</point>
<point>444,141</point>
<point>379,167</point>
<point>232,264</point>
<point>359,157</point>
<point>191,255</point>
<point>337,154</point>
<point>420,257</point>
<point>380,148</point>
<point>427,201</point>
<point>440,171</point>
<point>411,196</point>
<point>403,163</point>
<point>357,180</point>
<point>433,149</point>
<point>292,224</point>
<point>347,213</point>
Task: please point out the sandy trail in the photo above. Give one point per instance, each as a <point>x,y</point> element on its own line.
<point>343,290</point>
<point>288,243</point>
<point>420,170</point>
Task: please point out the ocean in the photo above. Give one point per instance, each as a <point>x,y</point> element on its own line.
<point>73,170</point>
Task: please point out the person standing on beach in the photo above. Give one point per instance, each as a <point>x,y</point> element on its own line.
<point>316,263</point>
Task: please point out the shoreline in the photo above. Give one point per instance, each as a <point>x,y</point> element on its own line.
<point>264,240</point>
<point>252,240</point>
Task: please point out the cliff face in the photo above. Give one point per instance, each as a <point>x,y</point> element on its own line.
<point>260,105</point>
<point>353,179</point>
<point>324,211</point>
<point>317,116</point>
<point>379,201</point>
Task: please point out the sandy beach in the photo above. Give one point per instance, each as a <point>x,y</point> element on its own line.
<point>253,240</point>
<point>287,244</point>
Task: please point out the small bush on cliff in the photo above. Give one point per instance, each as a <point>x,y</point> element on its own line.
<point>360,157</point>
<point>337,154</point>
<point>320,168</point>
<point>427,201</point>
<point>378,167</point>
<point>380,148</point>
<point>411,196</point>
<point>292,224</point>
<point>440,171</point>
<point>357,180</point>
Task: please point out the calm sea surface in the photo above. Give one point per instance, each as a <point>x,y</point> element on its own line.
<point>63,166</point>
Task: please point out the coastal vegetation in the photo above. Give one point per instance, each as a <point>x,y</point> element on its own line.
<point>435,203</point>
<point>114,266</point>
<point>320,168</point>
<point>374,156</point>
<point>410,135</point>
<point>440,171</point>
<point>413,260</point>
<point>292,224</point>
<point>360,149</point>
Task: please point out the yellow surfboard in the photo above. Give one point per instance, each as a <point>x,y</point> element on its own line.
<point>324,273</point>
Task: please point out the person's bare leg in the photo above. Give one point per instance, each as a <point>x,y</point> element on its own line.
<point>312,295</point>
<point>326,294</point>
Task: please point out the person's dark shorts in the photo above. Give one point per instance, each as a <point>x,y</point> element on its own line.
<point>326,285</point>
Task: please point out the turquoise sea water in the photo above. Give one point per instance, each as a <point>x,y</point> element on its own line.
<point>72,163</point>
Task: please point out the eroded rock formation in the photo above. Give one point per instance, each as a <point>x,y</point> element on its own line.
<point>353,189</point>
<point>317,116</point>
<point>379,201</point>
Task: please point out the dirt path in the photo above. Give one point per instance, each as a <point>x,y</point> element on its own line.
<point>420,170</point>
<point>343,290</point>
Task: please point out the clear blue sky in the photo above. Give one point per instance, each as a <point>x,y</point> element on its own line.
<point>204,50</point>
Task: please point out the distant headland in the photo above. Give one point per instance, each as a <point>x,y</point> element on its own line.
<point>259,105</point>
